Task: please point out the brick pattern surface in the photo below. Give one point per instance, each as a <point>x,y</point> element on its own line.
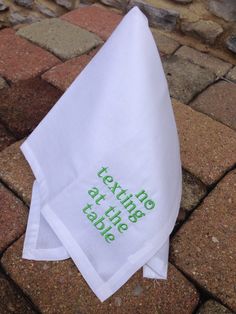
<point>185,79</point>
<point>215,65</point>
<point>213,307</point>
<point>58,287</point>
<point>95,19</point>
<point>219,102</point>
<point>204,247</point>
<point>21,60</point>
<point>25,103</point>
<point>13,217</point>
<point>208,148</point>
<point>165,45</point>
<point>63,39</point>
<point>64,74</point>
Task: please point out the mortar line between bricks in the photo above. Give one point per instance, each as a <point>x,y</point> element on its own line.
<point>14,192</point>
<point>18,289</point>
<point>204,292</point>
<point>210,189</point>
<point>11,243</point>
<point>9,130</point>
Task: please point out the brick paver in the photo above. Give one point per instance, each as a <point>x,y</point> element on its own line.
<point>165,44</point>
<point>95,19</point>
<point>208,148</point>
<point>213,307</point>
<point>21,60</point>
<point>15,171</point>
<point>25,103</point>
<point>205,60</point>
<point>204,247</point>
<point>60,37</point>
<point>63,75</point>
<point>10,300</point>
<point>185,79</point>
<point>58,287</point>
<point>5,138</point>
<point>219,102</point>
<point>13,217</point>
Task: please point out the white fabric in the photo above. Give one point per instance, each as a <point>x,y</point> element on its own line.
<point>109,147</point>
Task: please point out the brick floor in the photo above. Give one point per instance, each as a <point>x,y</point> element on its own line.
<point>21,60</point>
<point>185,79</point>
<point>64,74</point>
<point>10,301</point>
<point>208,148</point>
<point>13,217</point>
<point>5,138</point>
<point>95,19</point>
<point>219,102</point>
<point>204,247</point>
<point>58,287</point>
<point>165,44</point>
<point>64,39</point>
<point>25,103</point>
<point>15,171</point>
<point>215,65</point>
<point>3,83</point>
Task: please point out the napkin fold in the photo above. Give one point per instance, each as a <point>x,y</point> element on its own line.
<point>107,166</point>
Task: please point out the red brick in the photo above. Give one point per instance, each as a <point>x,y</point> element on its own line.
<point>25,103</point>
<point>204,247</point>
<point>95,19</point>
<point>58,287</point>
<point>20,59</point>
<point>5,138</point>
<point>13,217</point>
<point>64,74</point>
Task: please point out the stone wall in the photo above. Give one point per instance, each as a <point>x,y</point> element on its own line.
<point>212,22</point>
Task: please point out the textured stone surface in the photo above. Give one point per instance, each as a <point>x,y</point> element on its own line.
<point>49,8</point>
<point>213,307</point>
<point>3,83</point>
<point>20,15</point>
<point>5,138</point>
<point>215,65</point>
<point>219,102</point>
<point>158,17</point>
<point>13,218</point>
<point>10,301</point>
<point>183,1</point>
<point>60,37</point>
<point>3,6</point>
<point>119,4</point>
<point>20,60</point>
<point>25,103</point>
<point>69,4</point>
<point>232,75</point>
<point>185,79</point>
<point>231,43</point>
<point>25,3</point>
<point>15,171</point>
<point>223,8</point>
<point>95,19</point>
<point>208,148</point>
<point>63,75</point>
<point>67,292</point>
<point>204,247</point>
<point>205,30</point>
<point>165,44</point>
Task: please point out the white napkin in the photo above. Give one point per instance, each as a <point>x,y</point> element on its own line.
<point>107,166</point>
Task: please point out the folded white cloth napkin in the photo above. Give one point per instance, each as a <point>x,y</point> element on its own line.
<point>107,166</point>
